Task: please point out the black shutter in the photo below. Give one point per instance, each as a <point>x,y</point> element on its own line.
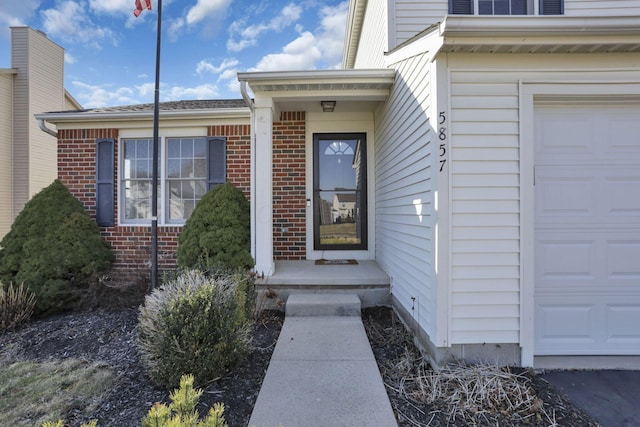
<point>216,162</point>
<point>551,7</point>
<point>461,7</point>
<point>105,170</point>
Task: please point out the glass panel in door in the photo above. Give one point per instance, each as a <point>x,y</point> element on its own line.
<point>340,191</point>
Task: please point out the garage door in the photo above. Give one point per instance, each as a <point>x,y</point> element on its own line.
<point>587,229</point>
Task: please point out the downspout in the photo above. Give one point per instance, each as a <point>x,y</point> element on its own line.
<point>44,128</point>
<point>252,149</point>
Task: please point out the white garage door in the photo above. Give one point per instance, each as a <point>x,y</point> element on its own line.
<point>587,229</point>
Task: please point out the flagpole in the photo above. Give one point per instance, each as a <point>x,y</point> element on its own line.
<point>154,183</point>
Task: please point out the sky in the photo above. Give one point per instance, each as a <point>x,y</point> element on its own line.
<point>110,54</point>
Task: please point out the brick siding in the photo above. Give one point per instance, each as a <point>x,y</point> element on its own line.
<point>132,244</point>
<point>289,187</point>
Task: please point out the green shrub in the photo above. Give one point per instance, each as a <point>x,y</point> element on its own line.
<point>16,306</point>
<point>181,412</point>
<point>195,325</point>
<point>218,233</point>
<point>55,249</point>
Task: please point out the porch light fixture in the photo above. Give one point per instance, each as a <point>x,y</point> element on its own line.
<point>328,106</point>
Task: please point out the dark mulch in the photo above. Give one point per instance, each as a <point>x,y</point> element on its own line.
<point>393,348</point>
<point>109,336</point>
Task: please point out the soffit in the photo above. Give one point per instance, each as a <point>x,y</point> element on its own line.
<point>304,83</point>
<point>353,89</point>
<point>539,34</point>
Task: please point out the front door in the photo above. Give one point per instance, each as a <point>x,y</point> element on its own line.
<point>340,191</point>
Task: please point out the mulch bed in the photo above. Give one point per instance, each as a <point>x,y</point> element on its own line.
<point>110,336</point>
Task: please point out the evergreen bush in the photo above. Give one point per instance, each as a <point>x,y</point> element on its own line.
<point>55,249</point>
<point>218,233</point>
<point>195,325</point>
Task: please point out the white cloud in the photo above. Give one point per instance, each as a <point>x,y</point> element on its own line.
<point>333,22</point>
<point>96,96</point>
<point>69,59</point>
<point>310,51</point>
<point>205,91</point>
<point>300,54</point>
<point>92,96</point>
<point>205,67</point>
<point>175,28</point>
<point>112,7</point>
<point>16,13</point>
<point>69,22</point>
<point>249,36</point>
<point>207,9</point>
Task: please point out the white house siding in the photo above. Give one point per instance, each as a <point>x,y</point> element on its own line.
<point>6,151</point>
<point>485,176</point>
<point>374,36</point>
<point>601,7</point>
<point>413,16</point>
<point>404,196</point>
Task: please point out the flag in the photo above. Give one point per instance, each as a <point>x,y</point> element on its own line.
<point>141,5</point>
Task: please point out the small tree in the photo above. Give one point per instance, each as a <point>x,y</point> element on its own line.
<point>55,249</point>
<point>218,233</point>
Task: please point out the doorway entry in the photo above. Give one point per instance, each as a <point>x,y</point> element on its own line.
<point>340,191</point>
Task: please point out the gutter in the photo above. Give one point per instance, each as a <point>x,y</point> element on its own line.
<point>44,128</point>
<point>252,155</point>
<point>528,26</point>
<point>75,116</point>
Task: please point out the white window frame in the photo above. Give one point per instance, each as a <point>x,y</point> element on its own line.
<point>163,199</point>
<point>530,6</point>
<point>533,8</point>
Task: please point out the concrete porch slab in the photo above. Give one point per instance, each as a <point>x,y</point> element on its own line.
<point>366,280</point>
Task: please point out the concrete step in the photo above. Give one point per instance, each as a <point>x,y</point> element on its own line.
<point>323,304</point>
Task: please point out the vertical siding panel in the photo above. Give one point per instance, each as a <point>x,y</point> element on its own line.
<point>404,197</point>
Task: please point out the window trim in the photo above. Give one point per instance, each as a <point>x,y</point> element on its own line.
<point>163,179</point>
<point>534,8</point>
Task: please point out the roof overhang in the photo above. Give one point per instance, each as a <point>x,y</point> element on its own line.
<point>304,89</point>
<point>539,34</point>
<point>72,117</point>
<point>355,19</point>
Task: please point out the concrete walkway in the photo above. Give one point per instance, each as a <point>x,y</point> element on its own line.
<point>322,372</point>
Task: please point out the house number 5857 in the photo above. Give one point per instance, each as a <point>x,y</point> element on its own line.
<point>442,136</point>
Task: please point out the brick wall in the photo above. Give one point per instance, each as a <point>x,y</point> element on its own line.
<point>289,187</point>
<point>132,244</point>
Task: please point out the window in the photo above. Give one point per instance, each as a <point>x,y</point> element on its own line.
<point>505,7</point>
<point>188,167</point>
<point>502,7</point>
<point>186,175</point>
